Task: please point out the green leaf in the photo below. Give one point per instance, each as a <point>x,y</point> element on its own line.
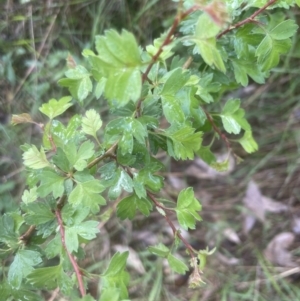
<point>248,142</point>
<point>176,79</point>
<point>202,254</point>
<point>206,155</point>
<point>230,124</point>
<point>186,209</point>
<point>78,81</point>
<point>115,276</point>
<point>45,278</point>
<point>244,68</point>
<point>146,178</point>
<point>160,250</point>
<point>21,266</point>
<point>119,61</point>
<point>38,213</point>
<point>78,159</point>
<point>51,182</point>
<point>49,278</point>
<point>7,231</point>
<point>29,196</point>
<point>56,107</point>
<point>172,109</point>
<point>117,264</point>
<point>177,265</point>
<point>84,88</point>
<point>86,230</point>
<point>123,181</point>
<point>210,54</point>
<point>87,194</point>
<point>275,42</point>
<point>284,30</point>
<point>54,247</point>
<point>110,295</point>
<point>184,141</point>
<point>233,117</point>
<point>206,28</point>
<point>91,123</point>
<point>35,159</point>
<point>127,207</point>
<point>231,106</point>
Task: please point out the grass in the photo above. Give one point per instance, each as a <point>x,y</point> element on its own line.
<point>33,54</point>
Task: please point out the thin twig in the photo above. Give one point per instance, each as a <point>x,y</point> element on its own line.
<point>110,152</point>
<point>175,231</point>
<point>26,236</point>
<point>169,39</point>
<point>217,130</point>
<point>247,20</point>
<point>71,257</point>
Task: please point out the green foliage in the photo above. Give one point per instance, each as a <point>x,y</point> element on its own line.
<point>80,168</point>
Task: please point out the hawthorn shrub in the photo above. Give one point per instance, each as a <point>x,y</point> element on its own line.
<point>212,47</point>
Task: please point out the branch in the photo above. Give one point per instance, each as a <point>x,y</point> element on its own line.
<point>71,257</point>
<point>175,232</point>
<point>108,153</point>
<point>169,38</point>
<point>217,130</point>
<point>247,20</point>
<point>26,236</point>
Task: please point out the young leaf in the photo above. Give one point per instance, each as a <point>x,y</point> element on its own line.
<point>276,42</point>
<point>51,182</point>
<point>55,108</point>
<point>248,142</point>
<point>115,275</point>
<point>119,60</point>
<point>233,117</point>
<point>145,177</point>
<point>123,181</point>
<point>186,209</point>
<point>160,250</point>
<point>21,266</point>
<point>205,39</point>
<point>177,265</point>
<point>176,80</point>
<point>38,213</point>
<point>91,123</point>
<point>29,196</point>
<point>35,159</point>
<point>78,159</point>
<point>86,230</point>
<point>45,278</point>
<point>87,194</point>
<point>110,295</point>
<point>127,207</point>
<point>7,231</point>
<point>184,141</point>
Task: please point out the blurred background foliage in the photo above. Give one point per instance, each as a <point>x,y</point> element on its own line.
<point>35,40</point>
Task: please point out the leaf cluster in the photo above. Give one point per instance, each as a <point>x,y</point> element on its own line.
<point>162,102</point>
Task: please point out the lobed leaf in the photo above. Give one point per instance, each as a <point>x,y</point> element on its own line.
<point>35,159</point>
<point>21,266</point>
<point>91,123</point>
<point>55,107</point>
<point>186,209</point>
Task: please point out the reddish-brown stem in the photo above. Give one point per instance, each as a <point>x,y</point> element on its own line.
<point>71,257</point>
<point>247,20</point>
<point>167,41</point>
<point>217,130</point>
<point>175,232</point>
